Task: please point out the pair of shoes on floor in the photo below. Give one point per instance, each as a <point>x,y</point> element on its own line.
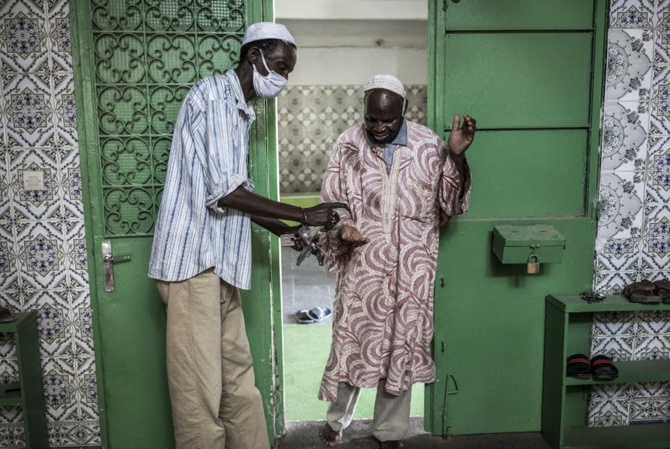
<point>647,292</point>
<point>312,316</point>
<point>600,367</point>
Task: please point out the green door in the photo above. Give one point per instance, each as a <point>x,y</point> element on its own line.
<point>530,72</point>
<point>134,63</point>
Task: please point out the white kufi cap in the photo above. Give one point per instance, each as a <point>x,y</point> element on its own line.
<point>267,30</point>
<point>388,82</point>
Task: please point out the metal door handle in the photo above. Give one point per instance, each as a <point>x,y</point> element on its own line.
<point>108,261</point>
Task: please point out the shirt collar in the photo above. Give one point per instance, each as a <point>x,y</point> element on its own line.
<point>401,138</point>
<point>239,95</point>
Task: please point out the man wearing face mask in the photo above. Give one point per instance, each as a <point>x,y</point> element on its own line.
<point>401,182</point>
<point>201,251</point>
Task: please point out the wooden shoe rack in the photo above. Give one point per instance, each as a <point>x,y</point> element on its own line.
<point>29,393</point>
<point>568,321</point>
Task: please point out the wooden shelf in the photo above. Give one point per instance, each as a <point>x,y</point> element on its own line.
<point>568,321</point>
<point>613,303</point>
<point>28,393</point>
<point>631,372</point>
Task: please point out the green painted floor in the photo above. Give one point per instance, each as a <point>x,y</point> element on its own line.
<point>306,349</point>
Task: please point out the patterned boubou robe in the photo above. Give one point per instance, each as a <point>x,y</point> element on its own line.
<point>383,308</point>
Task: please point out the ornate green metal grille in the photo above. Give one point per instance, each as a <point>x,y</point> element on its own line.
<point>148,53</point>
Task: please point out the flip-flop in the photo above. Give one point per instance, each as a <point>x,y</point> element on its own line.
<point>303,317</point>
<point>312,316</point>
<point>603,368</point>
<point>579,366</point>
<point>319,313</point>
<point>663,290</point>
<point>643,292</point>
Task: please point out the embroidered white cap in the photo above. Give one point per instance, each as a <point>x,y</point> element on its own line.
<point>267,30</point>
<point>388,82</point>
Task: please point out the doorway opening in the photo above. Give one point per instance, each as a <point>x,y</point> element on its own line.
<point>341,45</point>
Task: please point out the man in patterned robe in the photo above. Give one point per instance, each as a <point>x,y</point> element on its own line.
<point>401,182</point>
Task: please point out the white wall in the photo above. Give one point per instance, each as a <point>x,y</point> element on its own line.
<point>351,9</point>
<point>349,52</point>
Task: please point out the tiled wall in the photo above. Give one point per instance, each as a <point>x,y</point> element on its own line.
<point>633,240</point>
<point>42,246</point>
<point>42,256</point>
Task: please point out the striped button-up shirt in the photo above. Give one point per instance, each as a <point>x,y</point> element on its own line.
<point>208,160</point>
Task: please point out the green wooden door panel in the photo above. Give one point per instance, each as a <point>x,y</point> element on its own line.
<point>497,312</point>
<point>537,174</point>
<point>538,80</point>
<point>535,89</point>
<point>519,14</point>
<point>135,62</point>
<point>132,341</point>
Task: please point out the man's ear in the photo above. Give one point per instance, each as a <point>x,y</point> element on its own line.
<point>253,55</point>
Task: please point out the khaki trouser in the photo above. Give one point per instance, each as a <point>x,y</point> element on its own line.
<point>215,402</point>
<point>391,415</point>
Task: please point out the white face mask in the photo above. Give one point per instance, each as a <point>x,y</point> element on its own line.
<point>268,86</point>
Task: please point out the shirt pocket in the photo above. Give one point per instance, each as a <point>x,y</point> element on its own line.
<point>418,201</point>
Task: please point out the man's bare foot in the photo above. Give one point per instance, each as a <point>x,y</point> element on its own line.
<point>329,436</point>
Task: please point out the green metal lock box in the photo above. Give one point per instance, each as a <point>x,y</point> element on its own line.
<point>515,244</point>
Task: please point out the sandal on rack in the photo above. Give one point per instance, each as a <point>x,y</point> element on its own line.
<point>578,366</point>
<point>603,368</point>
<point>663,290</point>
<point>643,292</point>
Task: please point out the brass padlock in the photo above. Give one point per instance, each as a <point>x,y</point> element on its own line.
<point>533,265</point>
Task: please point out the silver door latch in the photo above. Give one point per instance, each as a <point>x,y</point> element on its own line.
<point>108,261</point>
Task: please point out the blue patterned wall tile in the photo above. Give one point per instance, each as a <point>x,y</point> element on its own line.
<point>649,410</point>
<point>628,76</point>
<point>73,433</point>
<point>657,200</point>
<point>654,322</point>
<point>619,205</point>
<point>60,42</point>
<point>5,181</point>
<point>66,118</point>
<point>621,324</point>
<point>618,254</point>
<point>58,391</point>
<point>41,257</point>
<point>624,145</point>
<point>652,347</point>
<point>609,405</point>
<point>23,37</point>
<point>632,14</point>
<point>660,104</point>
<point>656,247</point>
<point>619,348</point>
<point>29,111</point>
<point>613,282</point>
<point>662,38</point>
